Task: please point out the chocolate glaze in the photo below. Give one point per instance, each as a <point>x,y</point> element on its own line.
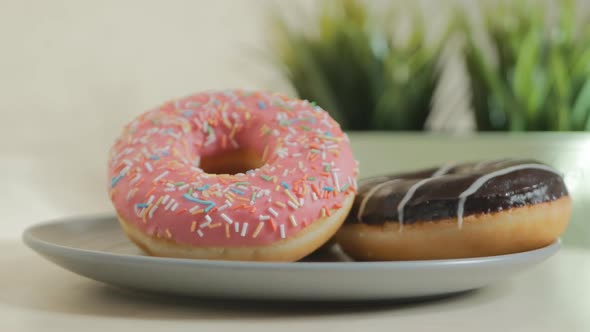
<point>438,198</point>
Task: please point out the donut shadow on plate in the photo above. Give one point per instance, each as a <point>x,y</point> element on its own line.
<point>329,252</point>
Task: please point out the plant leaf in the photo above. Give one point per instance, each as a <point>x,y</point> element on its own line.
<point>312,83</point>
<point>566,22</point>
<point>581,108</point>
<point>537,95</point>
<point>526,62</point>
<point>581,61</point>
<point>562,88</point>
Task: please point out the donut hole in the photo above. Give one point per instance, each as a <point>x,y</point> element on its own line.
<point>231,162</point>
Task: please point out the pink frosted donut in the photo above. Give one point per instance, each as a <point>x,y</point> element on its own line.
<point>232,175</point>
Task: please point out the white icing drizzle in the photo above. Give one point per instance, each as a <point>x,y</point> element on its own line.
<point>368,195</point>
<point>406,199</point>
<point>400,208</point>
<point>477,184</point>
<point>443,169</point>
<point>410,193</point>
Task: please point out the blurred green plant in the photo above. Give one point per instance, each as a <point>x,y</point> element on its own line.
<point>351,65</point>
<point>541,79</point>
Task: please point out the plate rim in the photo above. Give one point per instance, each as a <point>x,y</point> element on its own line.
<point>40,245</point>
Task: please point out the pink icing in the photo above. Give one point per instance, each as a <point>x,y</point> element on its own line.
<point>157,185</point>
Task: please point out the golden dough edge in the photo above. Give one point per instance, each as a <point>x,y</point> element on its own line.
<point>510,231</point>
<point>290,249</point>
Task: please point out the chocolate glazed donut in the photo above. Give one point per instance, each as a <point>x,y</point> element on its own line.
<point>457,210</point>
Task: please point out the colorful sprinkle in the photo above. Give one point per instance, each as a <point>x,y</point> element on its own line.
<point>196,200</point>
<point>116,179</point>
<point>237,191</point>
<point>161,176</point>
<point>169,205</point>
<point>206,223</point>
<point>202,188</point>
<point>244,229</point>
<point>210,207</point>
<point>135,179</point>
<point>273,212</point>
<point>282,228</point>
<point>291,196</point>
<point>258,229</point>
<point>336,180</point>
<point>293,221</point>
<point>226,218</point>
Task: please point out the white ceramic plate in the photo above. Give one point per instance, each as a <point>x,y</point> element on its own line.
<point>95,247</point>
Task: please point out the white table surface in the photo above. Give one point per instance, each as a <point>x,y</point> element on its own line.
<point>39,296</point>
